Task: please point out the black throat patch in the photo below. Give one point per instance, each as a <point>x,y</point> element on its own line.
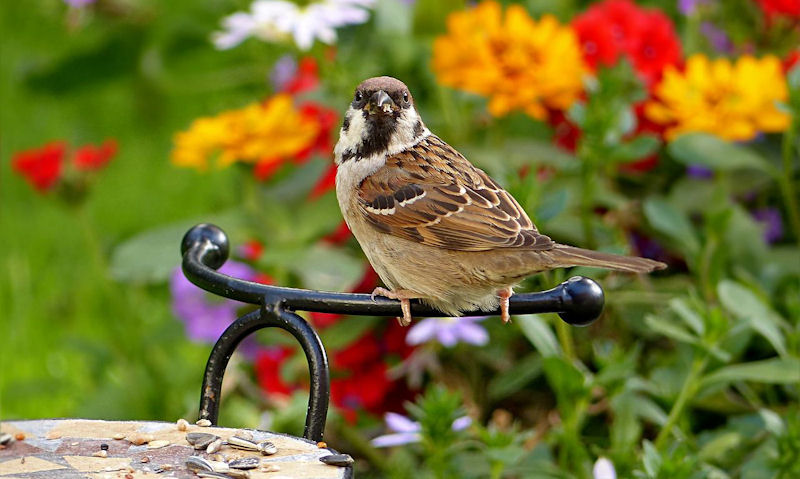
<point>380,130</point>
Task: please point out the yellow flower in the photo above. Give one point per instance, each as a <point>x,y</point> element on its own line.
<point>519,63</point>
<point>271,130</point>
<point>733,101</point>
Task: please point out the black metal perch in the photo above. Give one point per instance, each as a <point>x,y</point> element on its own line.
<point>578,301</point>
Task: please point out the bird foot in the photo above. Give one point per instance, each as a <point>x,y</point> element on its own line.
<point>504,294</point>
<point>403,295</point>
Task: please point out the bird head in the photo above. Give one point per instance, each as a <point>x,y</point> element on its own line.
<point>380,119</point>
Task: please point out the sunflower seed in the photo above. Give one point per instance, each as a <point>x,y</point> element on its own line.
<point>239,443</point>
<point>244,434</point>
<point>6,438</point>
<point>267,448</point>
<point>245,463</point>
<point>200,440</point>
<point>197,463</point>
<point>341,460</point>
<point>214,446</point>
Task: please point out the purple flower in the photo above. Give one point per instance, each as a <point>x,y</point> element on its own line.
<point>204,315</point>
<point>78,3</point>
<point>717,37</point>
<point>689,7</point>
<point>282,72</point>
<point>773,224</point>
<point>448,331</point>
<point>603,469</point>
<point>699,172</point>
<point>406,431</point>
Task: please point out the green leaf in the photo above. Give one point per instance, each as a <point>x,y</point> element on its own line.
<point>568,382</point>
<point>636,149</point>
<point>552,205</point>
<point>716,449</point>
<point>744,304</point>
<point>516,378</point>
<point>328,269</point>
<point>345,331</point>
<point>716,154</point>
<point>651,459</point>
<point>150,257</point>
<point>669,329</point>
<point>673,223</point>
<point>393,16</point>
<point>539,334</point>
<point>771,371</point>
<point>688,315</point>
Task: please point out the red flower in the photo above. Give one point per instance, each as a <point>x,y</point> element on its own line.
<point>92,158</point>
<point>339,236</point>
<point>326,183</point>
<point>251,250</point>
<point>268,370</point>
<point>42,167</point>
<point>792,59</point>
<point>306,77</point>
<point>323,143</point>
<point>615,28</point>
<point>772,8</point>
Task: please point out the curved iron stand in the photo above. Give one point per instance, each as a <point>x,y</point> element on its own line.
<point>578,301</point>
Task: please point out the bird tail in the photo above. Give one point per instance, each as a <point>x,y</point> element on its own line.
<point>565,256</point>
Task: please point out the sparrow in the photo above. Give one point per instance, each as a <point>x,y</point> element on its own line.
<point>434,227</point>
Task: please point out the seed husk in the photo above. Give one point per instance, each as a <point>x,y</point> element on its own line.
<point>267,448</point>
<point>118,436</point>
<point>6,438</point>
<point>100,453</point>
<point>200,440</point>
<point>197,463</point>
<point>244,434</point>
<point>158,444</point>
<point>340,460</point>
<point>214,446</point>
<point>182,424</point>
<point>240,443</point>
<point>139,439</point>
<point>245,463</point>
<point>203,422</point>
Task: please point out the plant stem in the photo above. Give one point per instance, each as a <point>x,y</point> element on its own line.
<point>588,177</point>
<point>787,180</point>
<point>564,332</point>
<point>689,388</point>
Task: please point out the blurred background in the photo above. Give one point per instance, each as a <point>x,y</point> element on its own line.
<point>667,129</point>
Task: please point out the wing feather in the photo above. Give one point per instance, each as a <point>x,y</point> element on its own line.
<point>432,195</point>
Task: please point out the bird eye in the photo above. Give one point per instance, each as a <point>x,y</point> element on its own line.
<point>359,96</point>
<point>405,96</point>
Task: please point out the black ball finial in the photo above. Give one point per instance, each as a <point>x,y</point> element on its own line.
<point>205,232</point>
<point>584,300</point>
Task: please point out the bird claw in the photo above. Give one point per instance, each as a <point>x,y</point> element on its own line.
<point>402,296</point>
<point>504,294</point>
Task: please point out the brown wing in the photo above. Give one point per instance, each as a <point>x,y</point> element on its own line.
<point>431,194</point>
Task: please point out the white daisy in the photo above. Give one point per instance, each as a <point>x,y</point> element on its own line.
<point>279,20</point>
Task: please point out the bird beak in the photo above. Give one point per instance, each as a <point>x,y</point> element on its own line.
<point>380,102</point>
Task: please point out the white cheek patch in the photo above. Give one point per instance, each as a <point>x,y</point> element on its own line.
<point>404,134</point>
<point>350,140</point>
